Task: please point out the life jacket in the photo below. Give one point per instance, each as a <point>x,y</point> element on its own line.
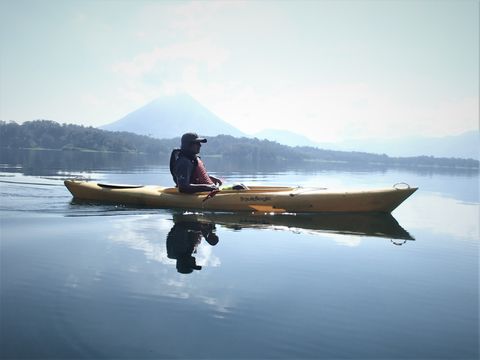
<point>174,156</point>
<point>199,173</point>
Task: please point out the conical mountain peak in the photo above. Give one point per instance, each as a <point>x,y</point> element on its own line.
<point>171,116</point>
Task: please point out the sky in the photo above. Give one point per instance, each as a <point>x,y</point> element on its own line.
<point>330,70</point>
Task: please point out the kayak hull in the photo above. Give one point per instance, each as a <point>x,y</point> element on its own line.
<point>257,198</point>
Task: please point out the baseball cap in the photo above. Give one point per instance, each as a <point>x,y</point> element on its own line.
<point>189,138</point>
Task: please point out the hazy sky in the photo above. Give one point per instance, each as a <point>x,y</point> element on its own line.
<point>328,69</point>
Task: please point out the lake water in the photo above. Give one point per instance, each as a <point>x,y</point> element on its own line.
<point>104,281</point>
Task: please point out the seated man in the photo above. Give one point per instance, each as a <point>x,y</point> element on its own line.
<point>187,168</point>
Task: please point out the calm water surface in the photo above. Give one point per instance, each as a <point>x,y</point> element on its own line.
<point>103,281</point>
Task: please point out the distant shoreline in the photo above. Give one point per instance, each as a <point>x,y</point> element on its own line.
<point>75,149</point>
<point>341,163</point>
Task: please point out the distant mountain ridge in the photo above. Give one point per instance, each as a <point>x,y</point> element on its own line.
<point>465,145</point>
<point>285,137</point>
<point>171,116</point>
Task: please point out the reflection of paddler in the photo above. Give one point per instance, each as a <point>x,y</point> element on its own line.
<point>183,239</point>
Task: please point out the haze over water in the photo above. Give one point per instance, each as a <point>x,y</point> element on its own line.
<point>101,281</point>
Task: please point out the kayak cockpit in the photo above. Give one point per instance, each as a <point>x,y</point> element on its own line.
<point>119,186</point>
<point>251,189</point>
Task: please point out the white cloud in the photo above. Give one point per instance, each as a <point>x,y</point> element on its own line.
<point>92,100</point>
<point>322,112</point>
<point>189,20</point>
<point>255,64</point>
<point>330,112</point>
<point>193,59</point>
<point>166,70</point>
<point>202,51</point>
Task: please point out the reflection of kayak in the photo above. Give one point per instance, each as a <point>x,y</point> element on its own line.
<point>256,198</point>
<point>375,225</point>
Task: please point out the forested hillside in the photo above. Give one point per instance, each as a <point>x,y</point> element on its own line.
<point>45,134</point>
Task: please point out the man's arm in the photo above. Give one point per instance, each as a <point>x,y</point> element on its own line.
<point>183,172</point>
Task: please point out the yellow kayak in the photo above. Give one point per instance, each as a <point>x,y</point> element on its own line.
<point>256,198</point>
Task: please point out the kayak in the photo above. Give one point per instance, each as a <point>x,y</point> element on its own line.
<point>277,199</point>
<point>359,224</point>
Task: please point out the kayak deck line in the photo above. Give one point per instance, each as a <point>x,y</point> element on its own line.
<point>257,198</point>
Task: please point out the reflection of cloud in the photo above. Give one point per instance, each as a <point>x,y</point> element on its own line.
<point>221,307</point>
<point>345,240</point>
<point>442,215</point>
<point>135,232</point>
<point>339,238</point>
<point>72,281</point>
<point>205,256</point>
<point>147,233</point>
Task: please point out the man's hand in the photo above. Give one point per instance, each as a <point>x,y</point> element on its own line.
<point>213,187</point>
<point>216,180</point>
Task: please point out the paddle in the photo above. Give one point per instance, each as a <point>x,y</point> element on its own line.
<point>210,195</point>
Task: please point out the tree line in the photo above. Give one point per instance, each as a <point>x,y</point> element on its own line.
<point>46,134</point>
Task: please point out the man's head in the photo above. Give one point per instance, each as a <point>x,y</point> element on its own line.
<point>186,265</point>
<point>191,142</point>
